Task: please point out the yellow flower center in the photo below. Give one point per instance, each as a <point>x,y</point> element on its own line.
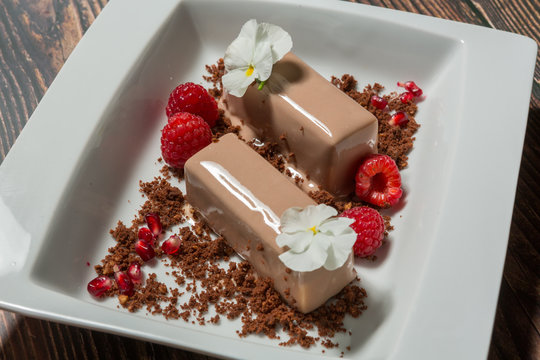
<point>249,71</point>
<point>315,231</point>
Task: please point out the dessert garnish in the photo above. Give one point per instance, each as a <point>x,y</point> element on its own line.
<point>125,286</point>
<point>183,136</point>
<point>171,245</point>
<point>134,273</point>
<point>99,286</point>
<point>146,235</point>
<point>369,227</point>
<point>379,102</point>
<point>144,250</point>
<point>194,99</point>
<point>251,56</point>
<point>154,224</point>
<point>406,97</point>
<point>315,237</point>
<point>399,118</point>
<point>411,87</point>
<point>378,181</point>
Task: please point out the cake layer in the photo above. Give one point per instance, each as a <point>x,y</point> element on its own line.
<point>242,197</point>
<point>327,131</point>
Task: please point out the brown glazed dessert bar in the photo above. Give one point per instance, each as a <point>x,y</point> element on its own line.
<point>327,131</point>
<point>242,197</point>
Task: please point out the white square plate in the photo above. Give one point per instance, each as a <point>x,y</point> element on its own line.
<point>75,167</point>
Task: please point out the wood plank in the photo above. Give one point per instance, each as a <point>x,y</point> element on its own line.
<point>520,17</point>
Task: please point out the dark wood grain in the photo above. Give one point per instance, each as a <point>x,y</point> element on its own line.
<point>36,37</point>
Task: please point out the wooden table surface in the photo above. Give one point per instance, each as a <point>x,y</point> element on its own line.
<point>37,36</point>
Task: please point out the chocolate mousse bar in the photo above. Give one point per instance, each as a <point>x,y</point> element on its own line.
<point>327,131</point>
<point>242,197</point>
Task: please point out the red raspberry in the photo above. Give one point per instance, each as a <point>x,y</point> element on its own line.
<point>369,227</point>
<point>194,99</point>
<point>378,181</point>
<point>183,136</point>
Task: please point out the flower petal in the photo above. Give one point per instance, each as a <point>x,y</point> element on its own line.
<point>239,53</point>
<point>297,242</point>
<point>249,29</point>
<point>236,82</point>
<point>292,221</point>
<point>336,225</point>
<point>340,249</point>
<point>262,60</point>
<point>318,214</point>
<point>313,258</point>
<point>279,39</point>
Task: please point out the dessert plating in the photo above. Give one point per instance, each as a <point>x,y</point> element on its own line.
<point>193,254</point>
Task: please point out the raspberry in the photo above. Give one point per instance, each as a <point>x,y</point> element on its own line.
<point>183,136</point>
<point>369,227</point>
<point>194,99</point>
<point>378,181</point>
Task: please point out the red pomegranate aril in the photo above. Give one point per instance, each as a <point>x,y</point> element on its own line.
<point>399,119</point>
<point>417,92</point>
<point>379,102</point>
<point>125,286</point>
<point>411,86</point>
<point>406,97</point>
<point>146,235</point>
<point>154,224</point>
<point>99,286</point>
<point>134,273</point>
<point>145,250</point>
<point>171,245</point>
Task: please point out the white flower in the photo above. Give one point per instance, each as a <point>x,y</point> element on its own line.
<point>252,54</point>
<point>315,238</point>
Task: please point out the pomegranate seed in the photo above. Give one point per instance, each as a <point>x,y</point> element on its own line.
<point>125,286</point>
<point>411,86</point>
<point>134,272</point>
<point>146,235</point>
<point>399,119</point>
<point>406,97</point>
<point>379,102</point>
<point>99,286</point>
<point>153,222</point>
<point>145,250</point>
<point>417,92</point>
<point>171,245</point>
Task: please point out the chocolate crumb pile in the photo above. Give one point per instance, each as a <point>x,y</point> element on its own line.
<point>394,141</point>
<point>234,291</point>
<point>209,284</point>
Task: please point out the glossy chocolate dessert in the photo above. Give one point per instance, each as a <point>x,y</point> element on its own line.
<point>326,130</point>
<point>241,196</point>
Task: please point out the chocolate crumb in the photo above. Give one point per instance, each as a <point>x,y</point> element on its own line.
<point>215,72</point>
<point>393,141</point>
